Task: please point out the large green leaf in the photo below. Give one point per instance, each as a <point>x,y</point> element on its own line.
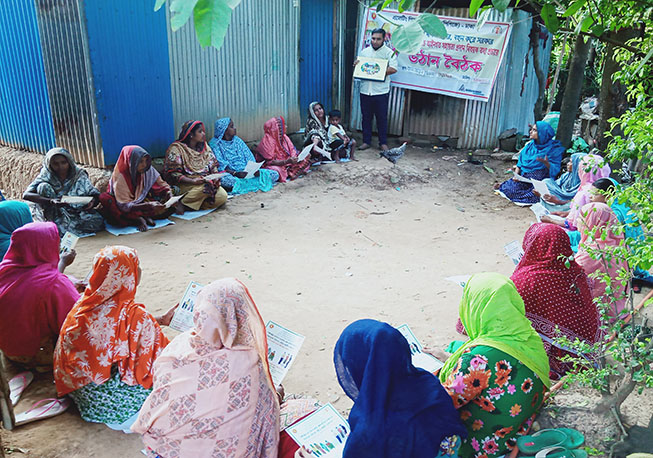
<point>180,11</point>
<point>474,5</point>
<point>550,18</point>
<point>159,4</point>
<point>212,19</point>
<point>483,17</point>
<point>405,5</point>
<point>585,24</point>
<point>432,25</point>
<point>408,38</point>
<point>501,5</point>
<point>232,3</point>
<point>574,7</point>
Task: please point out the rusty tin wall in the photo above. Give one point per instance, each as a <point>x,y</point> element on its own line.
<point>64,42</point>
<point>253,77</point>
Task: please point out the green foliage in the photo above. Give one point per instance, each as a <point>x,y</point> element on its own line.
<point>474,5</point>
<point>550,18</point>
<point>408,38</point>
<point>501,5</point>
<point>210,17</point>
<point>432,25</point>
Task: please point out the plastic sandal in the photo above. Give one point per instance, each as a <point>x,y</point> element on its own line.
<point>18,384</point>
<point>45,408</point>
<point>561,452</point>
<point>547,438</point>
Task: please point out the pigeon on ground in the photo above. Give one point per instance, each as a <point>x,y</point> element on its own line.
<point>394,154</point>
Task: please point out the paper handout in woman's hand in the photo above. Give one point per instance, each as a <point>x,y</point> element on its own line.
<point>183,317</point>
<point>283,348</point>
<point>419,358</point>
<point>324,432</point>
<point>68,242</point>
<point>83,200</point>
<point>514,251</point>
<point>173,200</point>
<point>251,168</point>
<point>305,152</point>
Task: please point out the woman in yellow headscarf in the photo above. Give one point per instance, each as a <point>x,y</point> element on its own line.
<point>497,379</point>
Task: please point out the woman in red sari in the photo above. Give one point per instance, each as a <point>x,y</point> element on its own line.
<point>556,294</point>
<point>279,153</point>
<point>136,191</point>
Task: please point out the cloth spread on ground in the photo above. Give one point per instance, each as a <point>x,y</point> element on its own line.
<point>213,393</point>
<point>556,293</point>
<point>399,410</point>
<point>106,327</point>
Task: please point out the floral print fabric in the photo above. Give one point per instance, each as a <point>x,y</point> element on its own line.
<point>106,327</point>
<point>497,397</point>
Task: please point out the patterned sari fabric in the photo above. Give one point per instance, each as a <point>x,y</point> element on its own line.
<point>497,379</point>
<point>213,393</point>
<point>107,328</point>
<point>314,127</point>
<point>595,225</point>
<point>34,296</point>
<point>555,295</point>
<point>276,146</point>
<point>71,218</point>
<point>591,168</point>
<point>128,188</point>
<point>233,155</point>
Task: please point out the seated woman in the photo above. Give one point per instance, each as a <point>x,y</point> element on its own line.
<point>279,153</point>
<point>189,161</point>
<point>590,168</point>
<point>35,295</point>
<point>60,177</point>
<point>497,379</point>
<point>13,214</point>
<point>563,189</point>
<point>316,131</point>
<point>136,191</point>
<point>599,240</point>
<point>539,159</point>
<point>108,343</point>
<point>556,293</point>
<point>399,411</point>
<point>233,155</point>
<point>218,374</point>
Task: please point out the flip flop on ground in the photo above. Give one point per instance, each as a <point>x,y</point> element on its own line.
<point>45,408</point>
<point>18,384</point>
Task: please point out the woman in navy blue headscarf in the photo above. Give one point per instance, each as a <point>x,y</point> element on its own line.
<point>399,411</point>
<point>539,159</point>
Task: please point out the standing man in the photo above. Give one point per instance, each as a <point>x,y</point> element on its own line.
<point>375,94</point>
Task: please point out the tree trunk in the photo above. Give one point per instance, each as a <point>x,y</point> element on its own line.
<point>573,90</point>
<point>541,77</point>
<point>612,98</point>
<point>618,397</point>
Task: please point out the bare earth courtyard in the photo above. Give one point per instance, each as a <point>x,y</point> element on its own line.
<point>349,241</point>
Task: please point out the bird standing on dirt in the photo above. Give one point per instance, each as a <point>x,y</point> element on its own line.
<point>394,154</point>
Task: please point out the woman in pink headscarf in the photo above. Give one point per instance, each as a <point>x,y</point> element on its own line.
<point>591,168</point>
<point>278,151</point>
<point>35,295</point>
<point>595,223</point>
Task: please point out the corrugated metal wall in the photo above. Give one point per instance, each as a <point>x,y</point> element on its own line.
<point>131,74</point>
<point>64,43</point>
<point>253,77</point>
<point>315,54</point>
<point>25,114</point>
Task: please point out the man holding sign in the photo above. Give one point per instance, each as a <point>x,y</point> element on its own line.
<point>374,95</point>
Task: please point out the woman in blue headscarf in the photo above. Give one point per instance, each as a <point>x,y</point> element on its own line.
<point>233,155</point>
<point>399,411</point>
<point>13,214</point>
<point>563,190</point>
<point>539,159</point>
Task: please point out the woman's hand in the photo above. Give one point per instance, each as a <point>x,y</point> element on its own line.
<point>517,170</point>
<point>164,320</point>
<point>281,392</point>
<point>155,206</point>
<point>316,139</point>
<point>92,204</point>
<point>240,174</point>
<point>544,160</point>
<point>58,203</point>
<point>199,180</point>
<point>436,353</point>
<point>535,193</point>
<point>80,285</point>
<point>291,160</point>
<point>65,259</point>
<point>303,453</point>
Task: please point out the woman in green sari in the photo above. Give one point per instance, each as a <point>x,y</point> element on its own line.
<point>497,379</point>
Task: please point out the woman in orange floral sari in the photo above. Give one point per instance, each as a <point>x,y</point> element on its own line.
<point>108,343</point>
<point>497,379</point>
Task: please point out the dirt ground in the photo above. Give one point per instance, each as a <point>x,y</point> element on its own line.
<point>349,241</point>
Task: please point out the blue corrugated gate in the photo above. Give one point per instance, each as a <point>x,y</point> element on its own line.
<point>128,47</point>
<point>25,114</point>
<point>316,54</point>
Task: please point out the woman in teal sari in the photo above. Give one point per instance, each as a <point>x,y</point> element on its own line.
<point>233,155</point>
<point>13,214</point>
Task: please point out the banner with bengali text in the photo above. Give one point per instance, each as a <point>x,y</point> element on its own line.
<point>464,64</point>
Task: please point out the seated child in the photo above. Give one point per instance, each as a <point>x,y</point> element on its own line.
<point>341,145</point>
